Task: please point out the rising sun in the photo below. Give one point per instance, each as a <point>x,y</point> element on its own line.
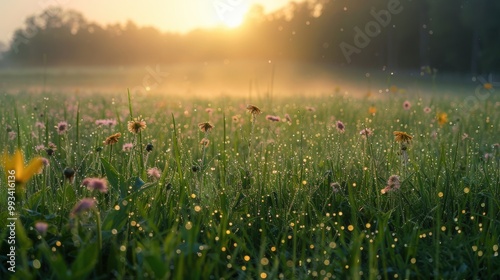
<point>230,14</point>
<point>233,21</point>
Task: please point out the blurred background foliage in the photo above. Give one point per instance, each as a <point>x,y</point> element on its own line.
<point>450,35</point>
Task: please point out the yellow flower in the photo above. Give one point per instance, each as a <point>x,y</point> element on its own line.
<point>402,137</point>
<point>372,110</point>
<point>488,86</point>
<point>136,125</point>
<point>14,166</point>
<point>205,127</point>
<point>254,110</point>
<point>442,118</point>
<point>204,142</point>
<point>113,139</point>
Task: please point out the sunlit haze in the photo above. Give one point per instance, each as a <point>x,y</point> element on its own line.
<point>174,16</point>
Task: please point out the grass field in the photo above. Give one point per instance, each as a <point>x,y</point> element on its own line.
<point>311,188</point>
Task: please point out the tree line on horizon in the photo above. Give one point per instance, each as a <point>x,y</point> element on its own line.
<point>449,35</point>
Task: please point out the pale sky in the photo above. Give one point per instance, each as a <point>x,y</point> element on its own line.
<point>166,15</point>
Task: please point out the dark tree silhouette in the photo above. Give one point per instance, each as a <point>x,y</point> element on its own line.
<point>451,35</point>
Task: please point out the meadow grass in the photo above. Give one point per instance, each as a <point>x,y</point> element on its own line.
<point>257,199</point>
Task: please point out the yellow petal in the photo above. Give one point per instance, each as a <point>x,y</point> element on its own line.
<point>33,167</point>
<point>7,161</point>
<point>18,163</point>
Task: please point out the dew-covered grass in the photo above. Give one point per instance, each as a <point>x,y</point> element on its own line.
<point>255,197</point>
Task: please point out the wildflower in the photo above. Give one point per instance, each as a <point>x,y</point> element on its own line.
<point>69,173</point>
<point>45,163</point>
<point>205,127</point>
<point>12,135</point>
<point>465,136</point>
<point>204,142</point>
<point>495,146</point>
<point>393,89</point>
<point>488,86</point>
<point>113,139</point>
<point>100,122</point>
<point>402,137</point>
<point>254,110</point>
<point>335,187</point>
<point>372,110</point>
<point>488,156</point>
<point>149,147</point>
<point>366,132</point>
<point>127,147</point>
<point>310,109</point>
<point>434,134</point>
<point>340,126</point>
<point>209,110</point>
<point>236,118</point>
<point>393,184</point>
<point>442,118</point>
<point>39,148</point>
<point>106,122</point>
<point>49,151</point>
<point>407,105</point>
<point>41,227</point>
<point>427,110</point>
<point>136,125</point>
<point>287,118</point>
<point>154,173</point>
<point>273,118</point>
<point>98,184</point>
<point>62,127</point>
<point>16,163</point>
<point>82,206</point>
<point>39,125</point>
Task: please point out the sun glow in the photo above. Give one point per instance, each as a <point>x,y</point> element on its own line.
<point>234,21</point>
<point>230,14</point>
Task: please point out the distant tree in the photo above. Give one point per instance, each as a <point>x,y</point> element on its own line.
<point>451,35</point>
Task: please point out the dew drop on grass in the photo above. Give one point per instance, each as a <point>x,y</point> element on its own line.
<point>37,264</point>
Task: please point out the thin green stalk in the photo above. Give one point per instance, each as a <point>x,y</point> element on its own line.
<point>177,156</point>
<point>130,104</point>
<point>142,170</point>
<point>98,228</point>
<point>224,155</point>
<point>18,128</point>
<point>110,154</point>
<point>63,205</point>
<point>202,167</point>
